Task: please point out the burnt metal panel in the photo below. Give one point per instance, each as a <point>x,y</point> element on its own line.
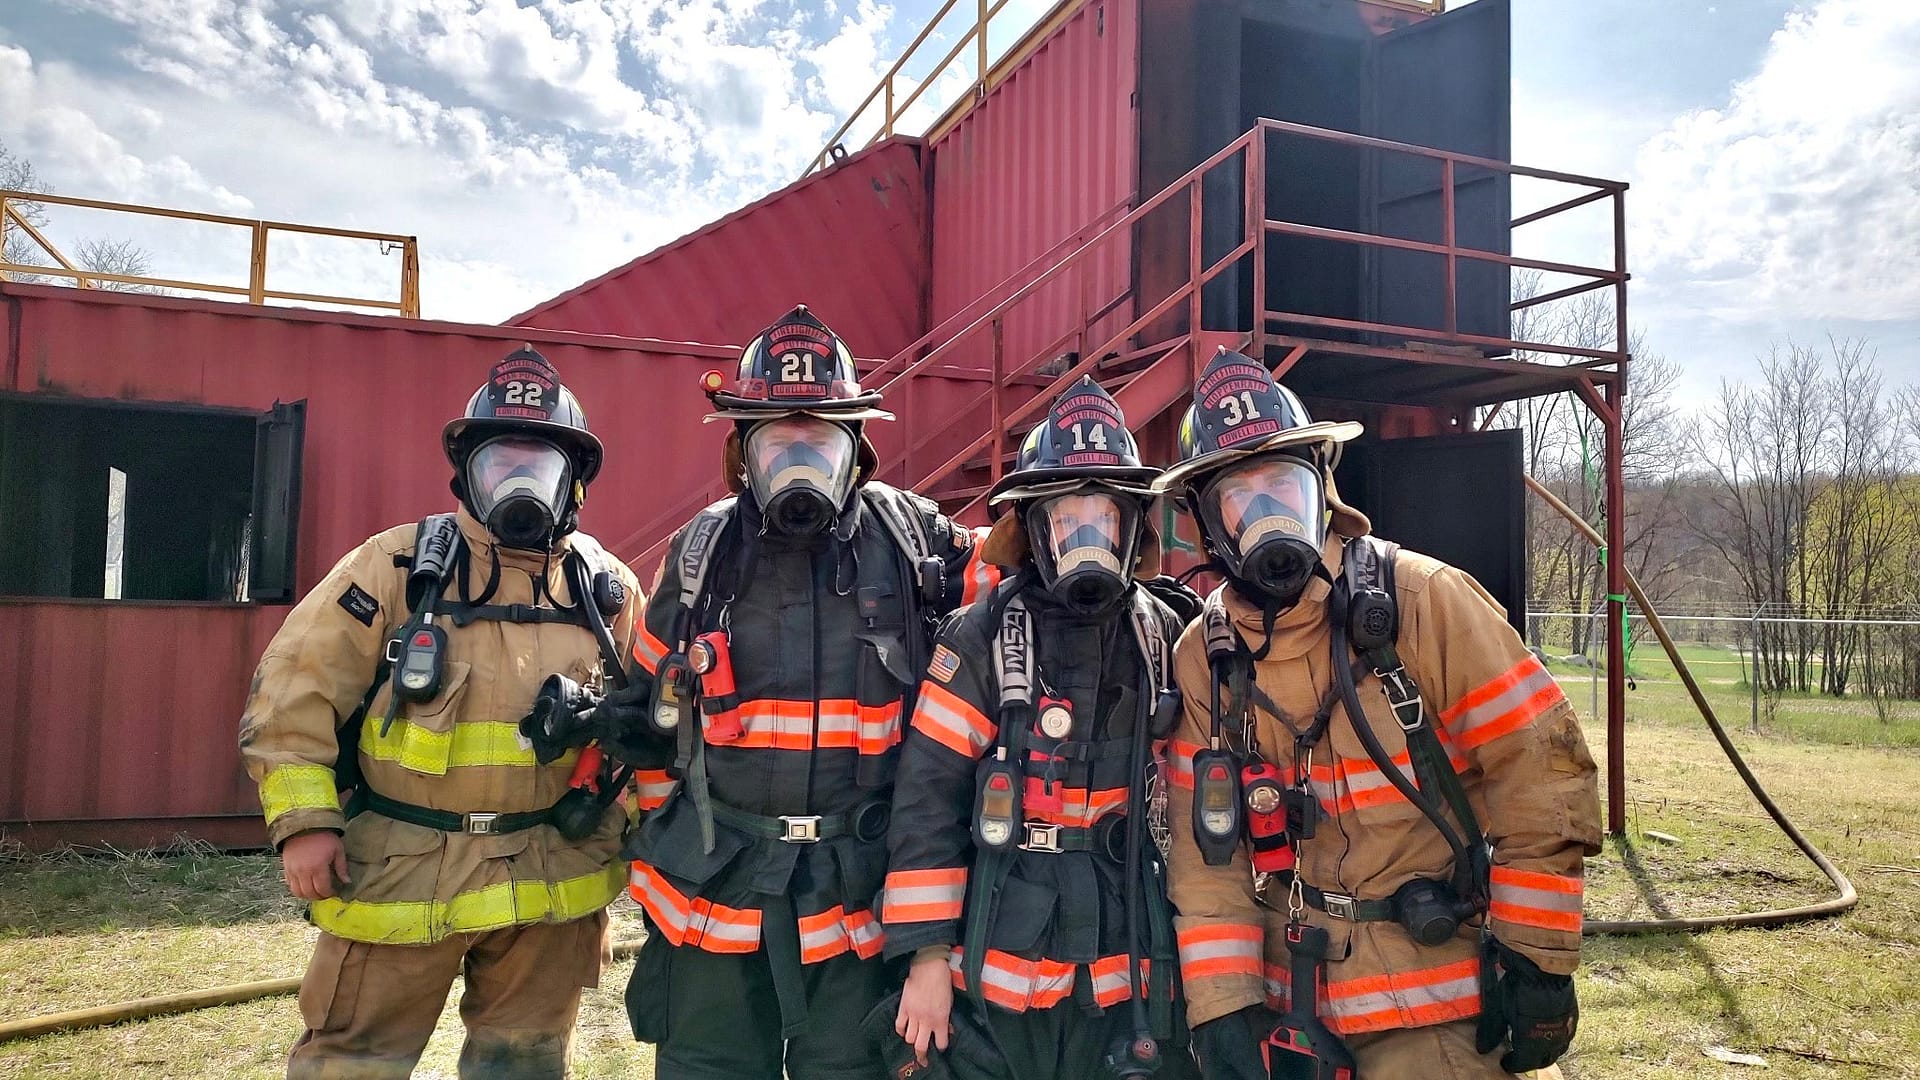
<point>128,710</point>
<point>1048,151</point>
<point>1414,491</point>
<point>849,241</point>
<point>279,436</point>
<point>1445,83</point>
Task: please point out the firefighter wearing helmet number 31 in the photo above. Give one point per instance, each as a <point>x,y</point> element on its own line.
<point>778,656</point>
<point>1381,799</point>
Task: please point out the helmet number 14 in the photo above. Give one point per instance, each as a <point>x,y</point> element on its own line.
<point>1098,436</point>
<point>797,367</point>
<point>1239,409</point>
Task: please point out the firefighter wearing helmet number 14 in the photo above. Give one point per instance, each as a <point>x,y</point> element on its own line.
<point>1023,879</point>
<point>779,653</point>
<point>458,851</point>
<point>1381,799</point>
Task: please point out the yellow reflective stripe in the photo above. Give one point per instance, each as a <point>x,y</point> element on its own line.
<point>297,787</point>
<point>509,903</point>
<point>471,742</point>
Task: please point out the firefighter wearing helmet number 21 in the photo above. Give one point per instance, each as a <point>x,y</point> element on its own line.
<point>1381,799</point>
<point>778,657</point>
<point>449,857</point>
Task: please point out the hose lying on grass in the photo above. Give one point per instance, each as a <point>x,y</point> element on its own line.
<point>170,1004</point>
<point>1847,897</point>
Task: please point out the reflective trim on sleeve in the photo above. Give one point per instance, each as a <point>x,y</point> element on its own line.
<point>982,575</point>
<point>1503,705</point>
<point>1531,898</point>
<point>648,650</point>
<point>949,720</point>
<point>924,895</point>
<point>297,787</point>
<point>1220,949</point>
<point>1180,763</point>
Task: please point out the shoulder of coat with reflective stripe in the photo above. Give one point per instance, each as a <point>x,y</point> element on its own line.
<point>952,721</point>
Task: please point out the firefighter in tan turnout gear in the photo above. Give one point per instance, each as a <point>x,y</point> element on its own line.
<point>402,676</point>
<point>1381,798</point>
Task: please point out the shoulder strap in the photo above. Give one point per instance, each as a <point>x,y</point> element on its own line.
<point>697,547</point>
<point>901,520</point>
<point>1150,632</point>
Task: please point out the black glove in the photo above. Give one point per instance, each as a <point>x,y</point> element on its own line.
<point>1186,603</point>
<point>1535,1012</point>
<point>620,721</point>
<point>1229,1046</point>
<point>559,719</point>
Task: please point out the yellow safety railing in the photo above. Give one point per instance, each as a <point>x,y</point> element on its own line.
<point>256,290</point>
<point>987,73</point>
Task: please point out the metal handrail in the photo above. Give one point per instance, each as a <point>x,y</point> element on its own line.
<point>255,290</point>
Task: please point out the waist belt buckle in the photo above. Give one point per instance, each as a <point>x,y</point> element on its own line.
<point>477,824</point>
<point>1338,906</point>
<point>800,828</point>
<point>1041,836</point>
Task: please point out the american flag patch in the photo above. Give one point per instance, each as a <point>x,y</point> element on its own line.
<point>944,664</point>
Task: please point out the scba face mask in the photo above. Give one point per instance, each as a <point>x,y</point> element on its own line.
<point>1084,544</point>
<point>519,489</point>
<point>800,470</point>
<point>1270,515</point>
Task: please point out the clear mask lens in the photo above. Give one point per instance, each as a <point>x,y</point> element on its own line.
<point>1085,531</point>
<point>517,466</point>
<point>800,453</point>
<point>1268,500</point>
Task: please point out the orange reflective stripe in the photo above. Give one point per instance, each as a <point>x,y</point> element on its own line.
<point>1503,705</point>
<point>947,718</point>
<point>666,904</point>
<point>1079,807</point>
<point>1012,983</point>
<point>1180,763</point>
<point>1113,978</point>
<point>1351,784</point>
<point>829,933</point>
<point>1531,898</point>
<point>924,895</point>
<point>982,575</point>
<point>830,724</point>
<point>653,786</point>
<point>1220,949</point>
<point>647,649</point>
<point>1402,999</point>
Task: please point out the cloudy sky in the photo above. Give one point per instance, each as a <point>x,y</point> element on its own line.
<point>1774,146</point>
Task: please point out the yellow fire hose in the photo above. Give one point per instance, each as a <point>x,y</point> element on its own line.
<point>170,1004</point>
<point>1847,897</point>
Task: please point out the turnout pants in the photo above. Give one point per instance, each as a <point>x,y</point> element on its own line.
<point>716,1016</point>
<point>369,1009</point>
<point>1065,1042</point>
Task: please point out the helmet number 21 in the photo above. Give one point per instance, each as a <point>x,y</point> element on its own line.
<point>1239,409</point>
<point>797,367</point>
<point>523,393</point>
<point>1097,436</point>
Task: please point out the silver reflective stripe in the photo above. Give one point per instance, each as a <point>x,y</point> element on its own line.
<point>1014,648</point>
<point>1488,711</point>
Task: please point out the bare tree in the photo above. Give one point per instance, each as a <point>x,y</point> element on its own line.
<point>122,257</point>
<point>17,174</point>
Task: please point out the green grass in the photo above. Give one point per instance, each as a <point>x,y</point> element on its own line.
<point>1827,999</point>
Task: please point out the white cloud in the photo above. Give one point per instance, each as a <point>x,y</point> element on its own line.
<point>529,147</point>
<point>1798,198</point>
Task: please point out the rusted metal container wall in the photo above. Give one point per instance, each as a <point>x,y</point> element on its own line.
<point>122,715</point>
<point>1048,152</point>
<point>850,242</point>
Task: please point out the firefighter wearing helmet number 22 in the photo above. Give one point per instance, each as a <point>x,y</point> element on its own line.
<point>446,859</point>
<point>1381,799</point>
<point>1023,880</point>
<point>778,656</point>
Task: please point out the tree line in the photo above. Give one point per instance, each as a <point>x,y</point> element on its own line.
<point>1794,494</point>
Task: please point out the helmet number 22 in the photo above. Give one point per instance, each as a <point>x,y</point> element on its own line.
<point>1239,409</point>
<point>1097,436</point>
<point>523,393</point>
<point>797,367</point>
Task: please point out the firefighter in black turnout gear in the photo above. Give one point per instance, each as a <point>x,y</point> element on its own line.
<point>1021,868</point>
<point>777,659</point>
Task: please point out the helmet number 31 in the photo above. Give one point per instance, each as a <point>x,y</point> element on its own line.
<point>1097,436</point>
<point>1239,409</point>
<point>523,393</point>
<point>797,367</point>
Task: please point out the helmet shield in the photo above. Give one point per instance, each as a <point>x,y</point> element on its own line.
<point>1268,514</point>
<point>1083,544</point>
<point>800,470</point>
<point>519,487</point>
